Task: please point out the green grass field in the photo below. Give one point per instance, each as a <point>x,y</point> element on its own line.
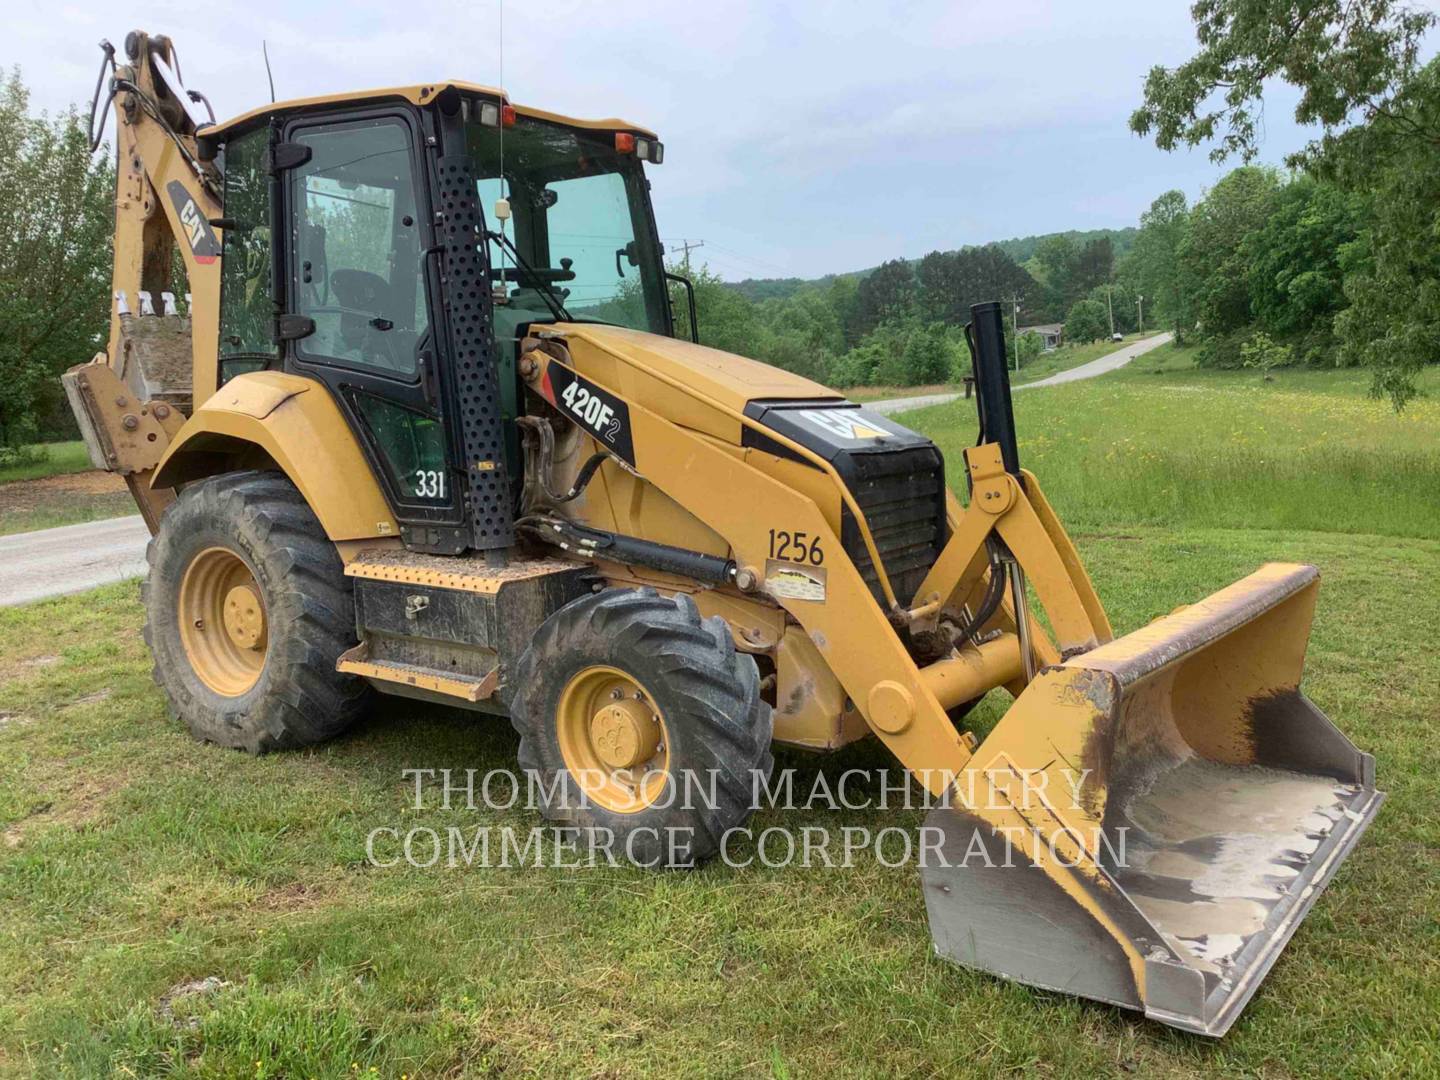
<point>134,861</point>
<point>883,393</point>
<point>60,489</point>
<point>1160,443</point>
<point>56,459</point>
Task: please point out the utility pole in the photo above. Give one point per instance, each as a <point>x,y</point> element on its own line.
<point>1110,307</point>
<point>685,246</point>
<point>1140,308</point>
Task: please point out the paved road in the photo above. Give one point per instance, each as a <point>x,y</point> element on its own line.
<point>72,558</point>
<point>52,562</point>
<point>1109,362</point>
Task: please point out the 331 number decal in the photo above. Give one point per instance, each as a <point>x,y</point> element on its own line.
<point>796,547</point>
<point>430,483</point>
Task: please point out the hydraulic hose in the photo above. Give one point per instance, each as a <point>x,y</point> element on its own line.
<point>107,61</point>
<point>990,602</point>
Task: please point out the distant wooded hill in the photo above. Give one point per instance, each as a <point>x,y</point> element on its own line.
<point>1021,248</point>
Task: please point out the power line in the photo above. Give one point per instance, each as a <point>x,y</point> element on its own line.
<point>686,246</point>
<point>753,260</point>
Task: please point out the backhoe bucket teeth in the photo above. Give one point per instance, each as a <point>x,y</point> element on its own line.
<point>1152,819</point>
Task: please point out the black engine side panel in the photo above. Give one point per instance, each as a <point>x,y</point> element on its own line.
<point>896,476</point>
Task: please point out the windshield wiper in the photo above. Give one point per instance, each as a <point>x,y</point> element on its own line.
<point>549,295</point>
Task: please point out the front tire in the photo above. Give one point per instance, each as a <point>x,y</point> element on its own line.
<point>247,610</point>
<point>640,722</point>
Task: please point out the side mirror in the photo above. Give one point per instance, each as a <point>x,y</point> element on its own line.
<point>690,296</point>
<point>632,256</point>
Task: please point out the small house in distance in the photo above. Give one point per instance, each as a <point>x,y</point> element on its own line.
<point>1050,334</point>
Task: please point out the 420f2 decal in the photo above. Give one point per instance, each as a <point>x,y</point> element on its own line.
<point>597,411</point>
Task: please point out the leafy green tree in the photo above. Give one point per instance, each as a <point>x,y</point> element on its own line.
<point>1296,280</point>
<point>1094,264</point>
<point>1350,60</point>
<point>56,221</point>
<point>888,292</point>
<point>949,282</point>
<point>1213,250</point>
<point>1393,274</point>
<point>1086,322</point>
<point>727,320</point>
<point>1153,268</point>
<point>843,298</point>
<point>1057,263</point>
<point>1118,299</point>
<point>1358,69</point>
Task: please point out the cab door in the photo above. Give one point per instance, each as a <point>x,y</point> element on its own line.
<point>358,301</point>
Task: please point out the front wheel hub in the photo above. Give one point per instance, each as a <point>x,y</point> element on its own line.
<point>613,739</point>
<point>625,733</point>
<point>244,617</point>
<point>222,621</point>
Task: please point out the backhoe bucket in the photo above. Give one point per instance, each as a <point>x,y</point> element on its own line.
<point>1151,820</point>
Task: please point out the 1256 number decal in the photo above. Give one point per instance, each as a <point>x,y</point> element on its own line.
<point>797,546</point>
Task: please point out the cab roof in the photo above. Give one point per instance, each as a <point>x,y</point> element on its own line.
<point>421,94</point>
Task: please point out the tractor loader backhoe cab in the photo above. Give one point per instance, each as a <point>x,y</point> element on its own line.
<point>426,427</point>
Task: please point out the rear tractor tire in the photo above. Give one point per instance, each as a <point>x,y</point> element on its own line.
<point>641,725</point>
<point>247,609</point>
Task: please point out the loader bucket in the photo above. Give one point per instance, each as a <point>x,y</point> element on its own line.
<point>1152,819</point>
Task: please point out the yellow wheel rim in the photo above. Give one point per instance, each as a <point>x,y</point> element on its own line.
<point>613,738</point>
<point>222,621</point>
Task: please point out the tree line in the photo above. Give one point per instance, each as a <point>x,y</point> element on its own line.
<point>56,219</point>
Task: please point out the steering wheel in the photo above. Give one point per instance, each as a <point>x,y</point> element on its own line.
<point>372,336</point>
<point>360,289</point>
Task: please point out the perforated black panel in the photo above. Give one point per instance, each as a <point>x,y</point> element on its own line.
<point>477,389</point>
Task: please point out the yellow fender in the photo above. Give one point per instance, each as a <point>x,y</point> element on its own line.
<point>295,424</point>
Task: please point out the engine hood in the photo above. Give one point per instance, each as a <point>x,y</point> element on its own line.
<point>727,379</point>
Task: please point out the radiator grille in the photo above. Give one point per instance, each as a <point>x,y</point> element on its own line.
<point>902,495</point>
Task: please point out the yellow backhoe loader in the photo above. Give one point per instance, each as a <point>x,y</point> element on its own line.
<point>425,425</point>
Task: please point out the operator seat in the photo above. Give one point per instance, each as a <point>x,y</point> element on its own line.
<point>372,326</point>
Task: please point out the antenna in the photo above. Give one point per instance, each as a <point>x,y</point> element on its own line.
<point>502,205</point>
<point>265,52</point>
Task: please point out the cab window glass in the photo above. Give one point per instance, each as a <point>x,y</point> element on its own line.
<point>580,221</point>
<point>411,445</point>
<point>358,266</point>
<point>247,316</point>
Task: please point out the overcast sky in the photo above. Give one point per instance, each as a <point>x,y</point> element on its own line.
<point>801,138</point>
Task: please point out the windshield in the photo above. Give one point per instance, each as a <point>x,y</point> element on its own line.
<point>580,225</point>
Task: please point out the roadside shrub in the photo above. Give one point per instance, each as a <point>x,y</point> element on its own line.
<point>1086,321</point>
<point>23,454</point>
<point>1265,355</point>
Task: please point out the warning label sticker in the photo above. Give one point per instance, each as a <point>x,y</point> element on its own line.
<point>792,581</point>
